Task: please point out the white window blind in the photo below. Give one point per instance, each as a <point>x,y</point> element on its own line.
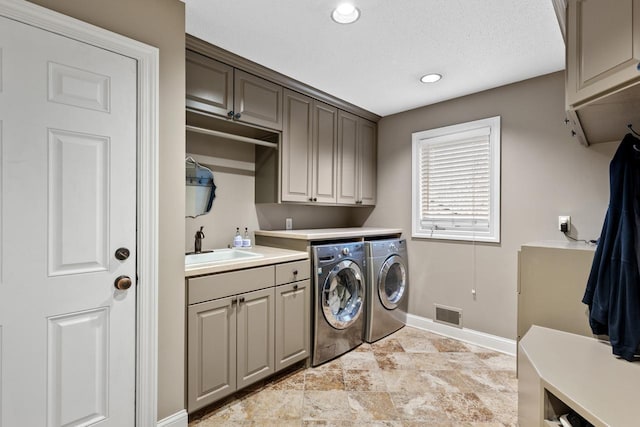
<point>456,182</point>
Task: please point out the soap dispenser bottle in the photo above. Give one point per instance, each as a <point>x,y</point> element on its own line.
<point>246,241</point>
<point>237,240</point>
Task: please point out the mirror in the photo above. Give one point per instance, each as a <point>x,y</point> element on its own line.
<point>200,190</point>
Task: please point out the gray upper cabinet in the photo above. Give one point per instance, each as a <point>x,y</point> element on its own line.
<point>309,142</point>
<point>367,162</point>
<point>602,77</point>
<point>209,84</point>
<point>603,48</point>
<point>357,160</point>
<point>257,101</point>
<point>220,89</point>
<point>296,150</point>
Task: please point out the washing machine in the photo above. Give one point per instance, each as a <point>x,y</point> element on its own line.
<point>387,287</point>
<point>339,297</point>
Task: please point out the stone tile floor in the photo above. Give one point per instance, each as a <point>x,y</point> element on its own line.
<point>410,378</point>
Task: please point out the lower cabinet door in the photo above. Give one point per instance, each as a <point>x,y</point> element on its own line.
<point>211,351</point>
<point>255,336</point>
<point>293,317</point>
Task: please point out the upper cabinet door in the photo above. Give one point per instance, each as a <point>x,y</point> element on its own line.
<point>347,158</point>
<point>367,164</point>
<point>603,48</point>
<point>257,101</point>
<point>325,141</point>
<point>296,147</point>
<point>209,84</point>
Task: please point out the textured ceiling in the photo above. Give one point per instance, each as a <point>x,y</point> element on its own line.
<point>376,62</point>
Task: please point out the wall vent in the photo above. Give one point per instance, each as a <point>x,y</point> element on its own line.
<point>448,315</point>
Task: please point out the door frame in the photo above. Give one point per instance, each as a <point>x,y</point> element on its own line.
<point>146,186</point>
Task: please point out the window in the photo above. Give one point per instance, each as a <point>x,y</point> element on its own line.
<point>456,182</point>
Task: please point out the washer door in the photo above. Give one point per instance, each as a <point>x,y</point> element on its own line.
<point>392,282</point>
<point>342,294</point>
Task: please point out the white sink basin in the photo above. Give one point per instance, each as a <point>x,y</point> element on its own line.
<point>220,255</point>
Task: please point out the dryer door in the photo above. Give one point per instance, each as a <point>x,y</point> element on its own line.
<point>392,282</point>
<point>342,294</point>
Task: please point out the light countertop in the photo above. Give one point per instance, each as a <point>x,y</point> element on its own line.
<point>269,256</point>
<point>329,233</point>
<point>562,244</point>
<point>584,374</point>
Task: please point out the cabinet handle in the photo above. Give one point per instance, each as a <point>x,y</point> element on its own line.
<point>295,272</point>
<point>315,199</point>
<point>230,114</point>
<point>241,300</point>
<point>311,199</point>
<point>237,116</point>
<point>233,301</point>
<point>295,287</point>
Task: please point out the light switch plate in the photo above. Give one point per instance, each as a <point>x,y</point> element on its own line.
<point>288,223</point>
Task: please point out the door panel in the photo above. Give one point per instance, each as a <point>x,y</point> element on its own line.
<point>347,157</point>
<point>255,336</point>
<point>293,304</point>
<point>257,100</point>
<point>78,368</point>
<point>209,84</point>
<point>79,88</point>
<point>296,147</point>
<point>325,134</point>
<point>68,200</point>
<point>212,351</point>
<point>78,225</point>
<point>367,162</point>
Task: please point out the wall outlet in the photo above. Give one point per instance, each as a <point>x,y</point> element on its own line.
<point>288,224</point>
<point>564,223</point>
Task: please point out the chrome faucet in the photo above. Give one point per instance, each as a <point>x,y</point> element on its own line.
<point>198,243</point>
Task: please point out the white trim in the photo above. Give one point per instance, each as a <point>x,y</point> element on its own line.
<point>492,342</point>
<point>147,191</point>
<point>179,419</point>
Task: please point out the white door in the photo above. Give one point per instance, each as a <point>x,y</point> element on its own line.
<point>67,203</point>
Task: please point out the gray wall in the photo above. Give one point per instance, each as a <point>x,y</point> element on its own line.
<point>159,23</point>
<point>545,173</point>
<point>235,194</point>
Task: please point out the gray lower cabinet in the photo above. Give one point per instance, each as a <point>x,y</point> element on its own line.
<point>243,326</point>
<point>293,313</point>
<point>211,352</point>
<point>255,336</point>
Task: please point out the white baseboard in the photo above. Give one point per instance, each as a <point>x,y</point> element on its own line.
<point>179,419</point>
<point>492,342</point>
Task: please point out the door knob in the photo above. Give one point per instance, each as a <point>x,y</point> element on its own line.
<point>122,283</point>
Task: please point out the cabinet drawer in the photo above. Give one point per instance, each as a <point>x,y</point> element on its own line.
<point>292,271</point>
<point>221,285</point>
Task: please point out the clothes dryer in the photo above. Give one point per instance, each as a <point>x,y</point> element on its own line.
<point>339,296</point>
<point>387,287</point>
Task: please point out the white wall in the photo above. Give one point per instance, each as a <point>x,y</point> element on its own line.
<point>545,173</point>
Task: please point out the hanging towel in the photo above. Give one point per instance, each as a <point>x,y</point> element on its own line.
<point>613,287</point>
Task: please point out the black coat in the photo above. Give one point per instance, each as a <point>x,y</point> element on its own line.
<point>613,288</point>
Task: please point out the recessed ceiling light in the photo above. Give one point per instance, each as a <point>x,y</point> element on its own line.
<point>430,78</point>
<point>345,13</point>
